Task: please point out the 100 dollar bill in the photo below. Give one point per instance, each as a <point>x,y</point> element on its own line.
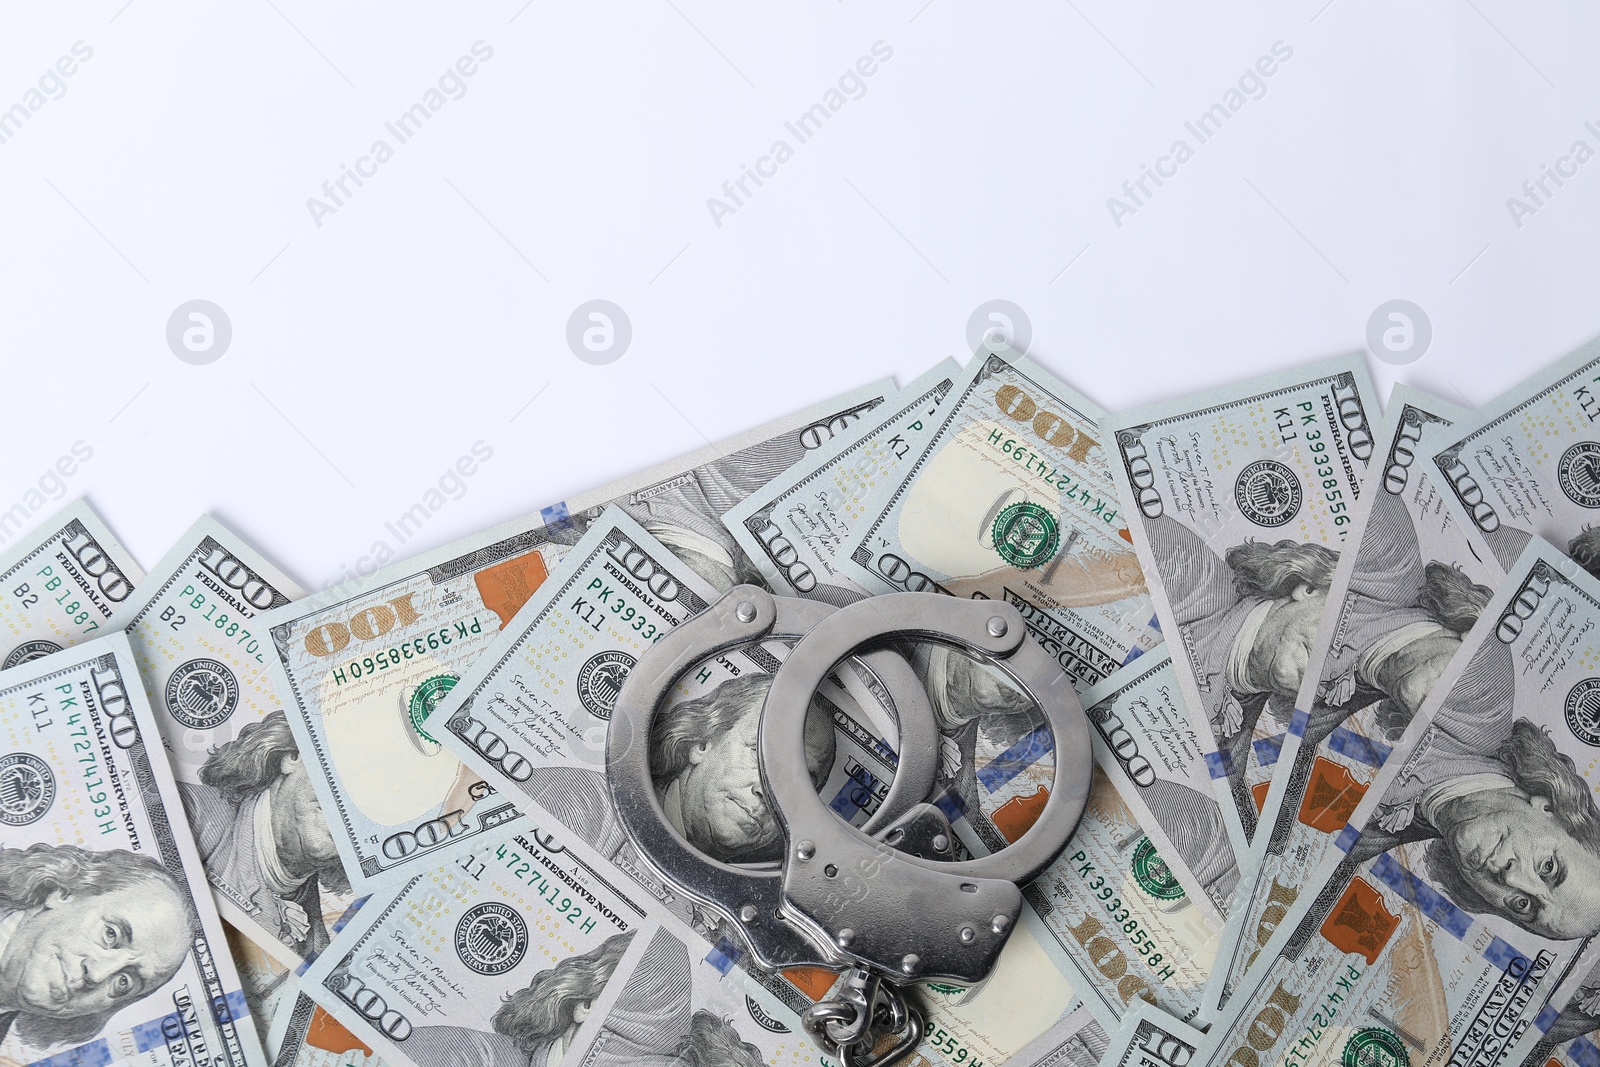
<point>1407,589</point>
<point>1472,888</point>
<point>361,666</point>
<point>492,952</point>
<point>1527,463</point>
<point>796,525</point>
<point>113,948</point>
<point>264,838</point>
<point>533,713</point>
<point>1010,498</point>
<point>532,717</point>
<point>1122,912</point>
<point>1238,501</point>
<point>61,585</point>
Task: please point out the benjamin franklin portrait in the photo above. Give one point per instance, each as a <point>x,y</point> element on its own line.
<point>84,934</point>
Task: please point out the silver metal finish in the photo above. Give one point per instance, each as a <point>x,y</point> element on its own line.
<point>885,896</point>
<point>885,902</point>
<point>750,896</point>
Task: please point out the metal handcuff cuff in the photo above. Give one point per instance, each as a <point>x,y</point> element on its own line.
<point>884,902</point>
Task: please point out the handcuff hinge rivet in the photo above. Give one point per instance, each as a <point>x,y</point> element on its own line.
<point>805,850</point>
<point>997,627</point>
<point>1000,924</point>
<point>845,936</point>
<point>748,913</point>
<point>910,962</point>
<point>745,612</point>
<point>967,934</point>
<point>940,842</point>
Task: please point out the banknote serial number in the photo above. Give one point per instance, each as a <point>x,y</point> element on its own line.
<point>948,1044</point>
<point>591,611</point>
<point>1090,933</point>
<point>1053,476</point>
<point>418,646</point>
<point>68,601</point>
<point>225,624</point>
<point>523,870</point>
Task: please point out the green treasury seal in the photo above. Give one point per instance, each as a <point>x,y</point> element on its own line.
<point>1026,534</point>
<point>1152,872</point>
<point>1374,1047</point>
<point>429,695</point>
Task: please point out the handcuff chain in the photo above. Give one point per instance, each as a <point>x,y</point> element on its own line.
<point>865,1011</point>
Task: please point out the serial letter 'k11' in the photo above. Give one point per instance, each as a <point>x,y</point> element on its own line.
<point>887,903</point>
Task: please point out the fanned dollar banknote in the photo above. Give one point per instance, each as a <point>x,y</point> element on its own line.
<point>1075,1040</point>
<point>1527,463</point>
<point>61,584</point>
<point>266,981</point>
<point>1145,742</point>
<point>1149,1037</point>
<point>305,1034</point>
<point>1471,891</point>
<point>361,666</point>
<point>1121,912</point>
<point>1409,585</point>
<point>675,1006</point>
<point>1239,500</point>
<point>111,949</point>
<point>266,843</point>
<point>532,714</point>
<point>795,526</point>
<point>508,954</point>
<point>1011,498</point>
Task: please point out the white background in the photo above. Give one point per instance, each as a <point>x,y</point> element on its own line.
<point>428,310</point>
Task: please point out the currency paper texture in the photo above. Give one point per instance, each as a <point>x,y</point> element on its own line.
<point>360,666</point>
<point>61,584</point>
<point>1408,587</point>
<point>676,1006</point>
<point>110,947</point>
<point>504,955</point>
<point>1124,922</point>
<point>304,1034</point>
<point>532,716</point>
<point>795,526</point>
<point>1149,1037</point>
<point>1076,1040</point>
<point>1527,463</point>
<point>1239,500</point>
<point>265,841</point>
<point>1011,498</point>
<point>1472,890</point>
<point>1145,743</point>
<point>265,979</point>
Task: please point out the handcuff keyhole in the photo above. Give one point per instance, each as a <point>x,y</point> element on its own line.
<point>968,887</point>
<point>830,870</point>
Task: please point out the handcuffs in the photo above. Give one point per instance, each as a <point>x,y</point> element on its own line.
<point>885,903</point>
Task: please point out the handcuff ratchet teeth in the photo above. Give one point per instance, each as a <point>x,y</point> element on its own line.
<point>885,902</point>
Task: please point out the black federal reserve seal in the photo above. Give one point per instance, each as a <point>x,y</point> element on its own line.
<point>27,789</point>
<point>202,693</point>
<point>600,680</point>
<point>1579,474</point>
<point>763,1018</point>
<point>1268,493</point>
<point>491,938</point>
<point>29,651</point>
<point>1583,711</point>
